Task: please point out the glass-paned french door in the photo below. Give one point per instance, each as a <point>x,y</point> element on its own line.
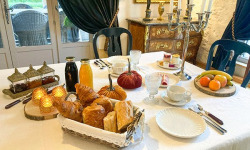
<point>35,31</point>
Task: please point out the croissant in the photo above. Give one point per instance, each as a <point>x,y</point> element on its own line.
<point>115,92</point>
<point>69,109</point>
<point>85,94</point>
<point>105,103</point>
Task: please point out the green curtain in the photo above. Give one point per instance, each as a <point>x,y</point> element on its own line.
<point>90,15</point>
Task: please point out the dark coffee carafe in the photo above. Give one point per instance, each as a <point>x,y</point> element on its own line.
<point>71,74</point>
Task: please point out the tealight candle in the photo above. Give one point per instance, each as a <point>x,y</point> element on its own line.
<point>59,92</point>
<point>37,94</point>
<point>46,104</point>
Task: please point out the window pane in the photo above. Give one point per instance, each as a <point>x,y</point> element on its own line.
<point>69,32</point>
<point>30,22</point>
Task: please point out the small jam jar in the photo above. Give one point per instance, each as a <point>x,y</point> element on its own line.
<point>175,59</point>
<point>34,78</point>
<point>167,57</point>
<point>18,82</point>
<point>48,74</point>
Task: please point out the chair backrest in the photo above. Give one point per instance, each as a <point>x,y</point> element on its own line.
<point>228,45</point>
<point>246,80</point>
<point>114,40</point>
<point>21,6</point>
<point>30,26</point>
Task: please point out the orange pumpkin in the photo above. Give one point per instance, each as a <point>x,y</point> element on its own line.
<point>130,79</point>
<point>115,92</point>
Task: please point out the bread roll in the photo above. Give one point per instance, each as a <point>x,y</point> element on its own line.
<point>110,123</point>
<point>124,111</point>
<point>105,103</point>
<point>93,115</point>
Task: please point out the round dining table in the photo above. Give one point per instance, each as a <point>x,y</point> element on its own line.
<point>18,132</point>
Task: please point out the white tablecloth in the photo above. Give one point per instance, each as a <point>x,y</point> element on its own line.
<point>18,132</point>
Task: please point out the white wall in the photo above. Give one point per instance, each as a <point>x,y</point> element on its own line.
<point>222,11</point>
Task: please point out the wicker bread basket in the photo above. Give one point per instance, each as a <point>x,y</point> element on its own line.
<point>133,134</point>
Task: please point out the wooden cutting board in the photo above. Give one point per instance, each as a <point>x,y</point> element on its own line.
<point>223,92</point>
<point>32,111</point>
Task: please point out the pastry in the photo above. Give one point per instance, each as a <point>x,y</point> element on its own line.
<point>110,123</point>
<point>93,115</point>
<point>105,103</point>
<point>68,109</point>
<point>114,92</point>
<point>85,94</point>
<point>117,92</point>
<point>124,111</point>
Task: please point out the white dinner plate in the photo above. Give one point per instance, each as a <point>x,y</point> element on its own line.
<point>173,79</point>
<point>170,68</point>
<point>166,99</point>
<point>118,59</point>
<point>180,122</point>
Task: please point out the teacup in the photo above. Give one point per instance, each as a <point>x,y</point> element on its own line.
<point>178,93</point>
<point>118,68</point>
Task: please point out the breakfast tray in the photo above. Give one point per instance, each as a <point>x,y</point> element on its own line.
<point>20,94</point>
<point>133,134</point>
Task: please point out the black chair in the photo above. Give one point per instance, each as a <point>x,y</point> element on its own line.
<point>246,80</point>
<point>21,6</point>
<point>233,49</point>
<point>114,41</point>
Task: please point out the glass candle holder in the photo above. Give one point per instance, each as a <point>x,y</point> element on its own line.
<point>46,104</point>
<point>37,94</point>
<point>59,92</point>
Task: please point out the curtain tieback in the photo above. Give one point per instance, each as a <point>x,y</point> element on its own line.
<point>233,19</point>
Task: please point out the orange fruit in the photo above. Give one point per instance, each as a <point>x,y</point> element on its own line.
<point>204,81</point>
<point>214,85</point>
<point>222,79</point>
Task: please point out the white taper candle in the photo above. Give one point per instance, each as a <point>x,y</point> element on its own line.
<point>179,4</point>
<point>171,6</point>
<point>209,5</point>
<point>191,2</point>
<point>203,6</point>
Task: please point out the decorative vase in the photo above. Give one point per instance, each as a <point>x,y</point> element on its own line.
<point>161,10</point>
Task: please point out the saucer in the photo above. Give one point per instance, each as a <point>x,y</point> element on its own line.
<point>170,68</point>
<point>166,99</point>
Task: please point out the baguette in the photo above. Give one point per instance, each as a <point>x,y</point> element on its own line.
<point>124,111</point>
<point>110,123</point>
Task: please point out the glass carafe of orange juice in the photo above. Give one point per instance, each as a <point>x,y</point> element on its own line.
<point>85,74</point>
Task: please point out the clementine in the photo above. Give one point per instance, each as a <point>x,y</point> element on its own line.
<point>214,85</point>
<point>204,81</point>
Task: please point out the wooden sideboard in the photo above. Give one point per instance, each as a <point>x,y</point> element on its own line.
<point>154,36</point>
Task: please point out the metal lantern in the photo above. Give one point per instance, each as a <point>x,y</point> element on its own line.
<point>34,78</point>
<point>18,82</point>
<point>48,74</point>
